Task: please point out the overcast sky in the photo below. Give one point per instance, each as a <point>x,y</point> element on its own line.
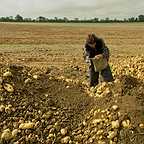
<point>72,8</point>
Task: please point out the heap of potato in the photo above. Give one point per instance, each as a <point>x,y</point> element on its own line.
<point>101,126</point>
<point>26,119</point>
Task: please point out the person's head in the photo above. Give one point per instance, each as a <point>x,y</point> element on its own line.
<point>91,39</point>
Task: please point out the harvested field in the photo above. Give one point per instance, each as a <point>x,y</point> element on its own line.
<point>44,93</point>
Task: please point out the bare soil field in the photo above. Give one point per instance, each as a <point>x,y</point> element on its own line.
<point>45,96</point>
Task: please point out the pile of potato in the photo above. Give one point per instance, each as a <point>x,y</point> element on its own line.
<point>26,119</point>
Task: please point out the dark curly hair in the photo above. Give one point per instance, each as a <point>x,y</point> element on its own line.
<point>92,38</point>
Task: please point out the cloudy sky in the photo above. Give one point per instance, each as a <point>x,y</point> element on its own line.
<point>72,8</point>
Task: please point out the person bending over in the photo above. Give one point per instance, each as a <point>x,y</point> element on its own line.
<point>96,48</point>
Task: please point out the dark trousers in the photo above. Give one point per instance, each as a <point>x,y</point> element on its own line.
<point>94,76</point>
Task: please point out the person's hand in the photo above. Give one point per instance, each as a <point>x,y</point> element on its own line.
<point>98,56</point>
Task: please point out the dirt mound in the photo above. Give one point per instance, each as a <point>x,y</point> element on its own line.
<point>47,103</point>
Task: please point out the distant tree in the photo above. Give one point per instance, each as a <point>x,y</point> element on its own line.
<point>2,19</point>
<point>141,18</point>
<point>6,19</point>
<point>115,20</point>
<point>125,20</point>
<point>107,19</point>
<point>18,18</point>
<point>102,20</point>
<point>76,19</point>
<point>41,19</point>
<point>65,19</point>
<point>11,18</point>
<point>132,19</point>
<point>55,18</point>
<point>95,19</point>
<point>136,19</point>
<point>27,19</point>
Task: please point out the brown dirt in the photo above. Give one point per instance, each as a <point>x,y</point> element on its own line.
<point>43,95</point>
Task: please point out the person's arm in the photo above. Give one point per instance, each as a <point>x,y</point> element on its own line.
<point>106,52</point>
<point>103,49</point>
<point>99,48</point>
<point>86,53</point>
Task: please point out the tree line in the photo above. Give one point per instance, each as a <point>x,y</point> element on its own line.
<point>19,18</point>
